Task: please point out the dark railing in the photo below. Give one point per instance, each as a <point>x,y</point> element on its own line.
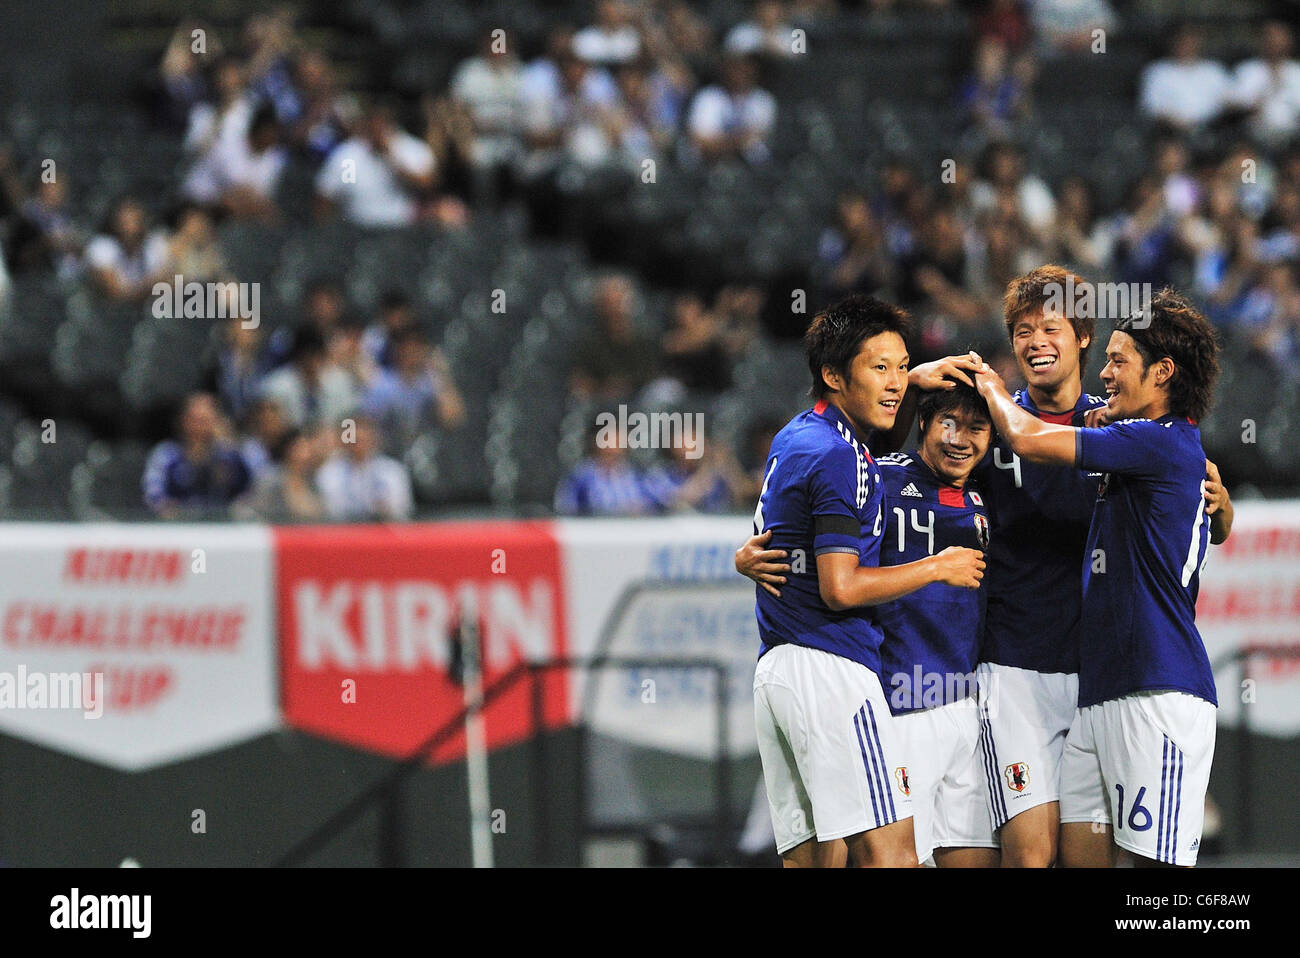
<point>1242,658</point>
<point>385,793</point>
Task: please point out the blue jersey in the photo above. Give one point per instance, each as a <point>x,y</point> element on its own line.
<point>822,493</point>
<point>932,636</point>
<point>1142,568</point>
<point>1039,514</point>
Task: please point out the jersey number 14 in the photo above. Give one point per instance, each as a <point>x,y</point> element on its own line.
<point>916,527</point>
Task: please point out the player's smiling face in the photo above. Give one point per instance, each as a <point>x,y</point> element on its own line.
<point>1046,348</point>
<point>877,380</point>
<point>954,442</point>
<point>1131,392</point>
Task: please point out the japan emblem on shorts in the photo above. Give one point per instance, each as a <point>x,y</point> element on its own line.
<point>900,773</point>
<point>1017,776</point>
<point>982,530</point>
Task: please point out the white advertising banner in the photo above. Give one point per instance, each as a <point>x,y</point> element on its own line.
<point>1250,596</point>
<point>136,645</point>
<point>662,589</point>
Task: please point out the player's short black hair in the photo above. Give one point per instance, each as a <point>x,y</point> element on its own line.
<point>936,402</point>
<point>837,333</point>
<point>1175,328</point>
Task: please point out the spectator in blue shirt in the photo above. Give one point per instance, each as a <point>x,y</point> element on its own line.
<point>200,472</point>
<point>395,315</point>
<point>606,483</point>
<point>704,479</point>
<point>415,393</point>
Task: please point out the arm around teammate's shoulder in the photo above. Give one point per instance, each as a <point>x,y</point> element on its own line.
<point>1027,435</point>
<point>844,584</point>
<point>1218,504</point>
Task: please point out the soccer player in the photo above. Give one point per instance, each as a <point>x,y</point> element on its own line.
<point>1039,513</point>
<point>831,760</point>
<point>1039,517</point>
<point>1137,757</point>
<point>932,636</point>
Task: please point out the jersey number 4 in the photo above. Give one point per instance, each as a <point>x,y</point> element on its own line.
<point>1013,465</point>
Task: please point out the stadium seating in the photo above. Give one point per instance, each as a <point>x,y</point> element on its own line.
<point>872,89</point>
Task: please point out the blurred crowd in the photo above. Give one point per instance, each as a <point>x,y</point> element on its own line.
<point>1216,211</point>
<point>312,421</point>
<point>311,424</point>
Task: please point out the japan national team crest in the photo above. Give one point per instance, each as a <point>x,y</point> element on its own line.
<point>982,530</point>
<point>1017,776</point>
<point>900,773</point>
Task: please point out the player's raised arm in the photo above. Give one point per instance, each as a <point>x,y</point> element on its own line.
<point>1027,435</point>
<point>844,584</point>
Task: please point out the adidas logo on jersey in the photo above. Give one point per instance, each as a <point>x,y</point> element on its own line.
<point>1196,843</point>
<point>911,490</point>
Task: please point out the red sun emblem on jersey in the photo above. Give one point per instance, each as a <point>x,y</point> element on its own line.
<point>904,783</point>
<point>1017,776</point>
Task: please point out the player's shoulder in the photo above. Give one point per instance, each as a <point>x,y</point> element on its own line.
<point>1137,424</point>
<point>894,461</point>
<point>812,441</point>
<point>1165,440</point>
<point>906,476</point>
<point>1093,402</point>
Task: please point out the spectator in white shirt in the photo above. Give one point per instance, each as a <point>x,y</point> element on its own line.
<point>490,86</point>
<point>611,40</point>
<point>1003,174</point>
<point>569,113</point>
<point>377,178</point>
<point>241,175</point>
<point>1185,90</point>
<point>766,34</point>
<point>644,123</point>
<point>734,118</point>
<point>1065,26</point>
<point>225,119</point>
<point>359,484</point>
<point>1268,87</point>
<point>127,258</point>
<point>311,390</point>
<point>540,77</point>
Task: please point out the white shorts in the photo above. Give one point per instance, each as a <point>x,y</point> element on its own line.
<point>1026,718</point>
<point>949,785</point>
<point>1141,763</point>
<point>831,761</point>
